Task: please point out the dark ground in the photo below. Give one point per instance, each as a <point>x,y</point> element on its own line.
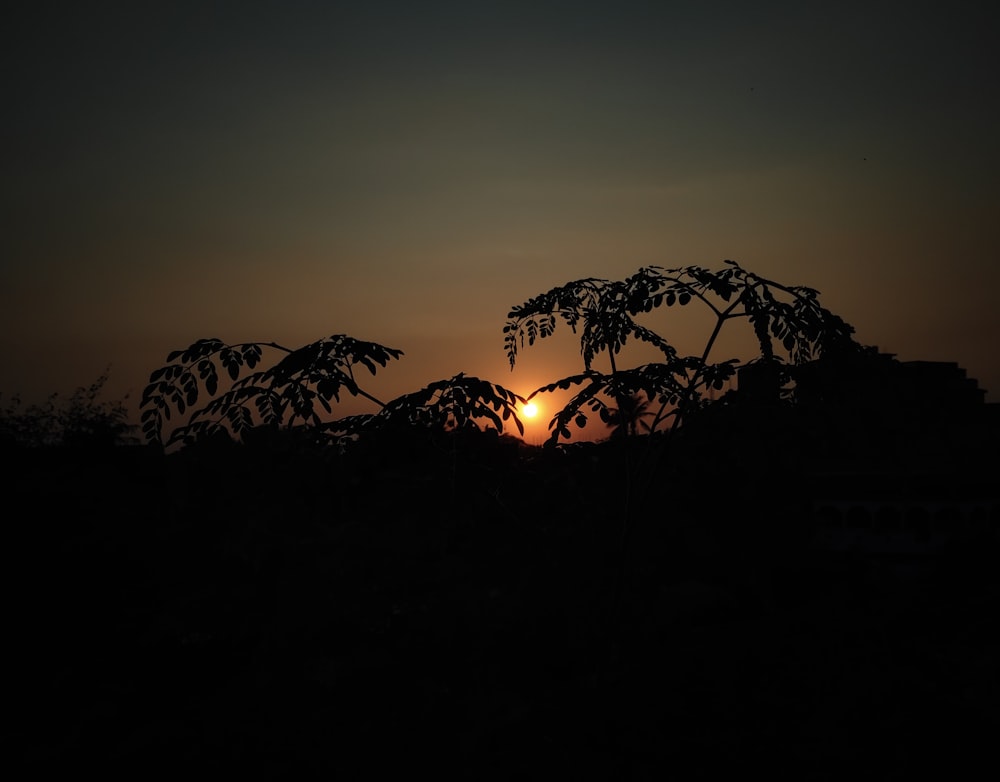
<point>469,612</point>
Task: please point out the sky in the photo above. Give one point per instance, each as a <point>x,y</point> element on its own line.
<point>405,172</point>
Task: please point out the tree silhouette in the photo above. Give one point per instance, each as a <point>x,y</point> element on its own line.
<point>297,391</point>
<point>788,322</point>
<point>630,415</point>
<point>294,390</point>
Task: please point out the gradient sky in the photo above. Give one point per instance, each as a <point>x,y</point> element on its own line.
<point>404,172</point>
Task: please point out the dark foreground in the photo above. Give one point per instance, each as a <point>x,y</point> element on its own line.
<point>472,613</point>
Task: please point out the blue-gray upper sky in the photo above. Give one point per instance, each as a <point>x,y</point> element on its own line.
<point>405,172</point>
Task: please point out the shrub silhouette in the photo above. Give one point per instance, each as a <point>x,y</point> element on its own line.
<point>80,421</point>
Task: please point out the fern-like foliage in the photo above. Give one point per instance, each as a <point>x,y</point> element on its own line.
<point>790,325</point>
<point>601,309</point>
<point>664,383</point>
<point>297,389</point>
<point>445,405</point>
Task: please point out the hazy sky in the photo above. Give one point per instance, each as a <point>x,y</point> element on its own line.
<point>404,172</point>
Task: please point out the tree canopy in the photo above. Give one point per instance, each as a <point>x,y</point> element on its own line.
<point>790,326</point>
<point>270,385</point>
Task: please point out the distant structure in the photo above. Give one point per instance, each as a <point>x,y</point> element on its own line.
<point>941,383</point>
<point>868,379</point>
<point>900,457</point>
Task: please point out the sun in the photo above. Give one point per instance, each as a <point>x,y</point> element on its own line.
<point>530,410</point>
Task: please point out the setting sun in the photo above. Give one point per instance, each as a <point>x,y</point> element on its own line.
<point>530,410</point>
